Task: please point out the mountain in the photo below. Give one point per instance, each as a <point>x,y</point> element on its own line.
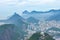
<point>15,17</point>
<point>17,20</point>
<point>32,20</point>
<point>7,31</point>
<point>20,23</point>
<point>41,36</point>
<point>42,15</point>
<point>26,12</point>
<point>53,10</point>
<point>55,16</point>
<point>32,12</point>
<point>10,32</point>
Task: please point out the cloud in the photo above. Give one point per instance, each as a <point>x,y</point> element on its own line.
<point>39,2</point>
<point>12,2</point>
<point>22,3</point>
<point>25,2</point>
<point>30,2</point>
<point>4,1</point>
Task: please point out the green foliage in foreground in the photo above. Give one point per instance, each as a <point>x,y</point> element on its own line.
<point>38,36</point>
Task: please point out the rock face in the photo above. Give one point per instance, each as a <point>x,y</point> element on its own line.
<point>15,17</point>
<point>32,20</point>
<point>55,17</point>
<point>20,28</point>
<point>7,32</point>
<point>10,32</point>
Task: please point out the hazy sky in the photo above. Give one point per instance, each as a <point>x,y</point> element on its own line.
<point>8,7</point>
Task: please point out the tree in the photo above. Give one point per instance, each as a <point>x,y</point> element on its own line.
<point>39,36</point>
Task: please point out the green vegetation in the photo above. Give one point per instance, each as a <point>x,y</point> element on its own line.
<point>9,30</point>
<point>39,36</point>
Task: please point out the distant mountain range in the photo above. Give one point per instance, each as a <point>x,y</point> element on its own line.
<point>16,17</point>
<point>55,17</point>
<point>35,12</point>
<point>39,15</point>
<point>43,15</point>
<point>21,22</point>
<point>32,20</point>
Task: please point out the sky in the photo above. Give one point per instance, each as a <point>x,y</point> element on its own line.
<point>8,7</point>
